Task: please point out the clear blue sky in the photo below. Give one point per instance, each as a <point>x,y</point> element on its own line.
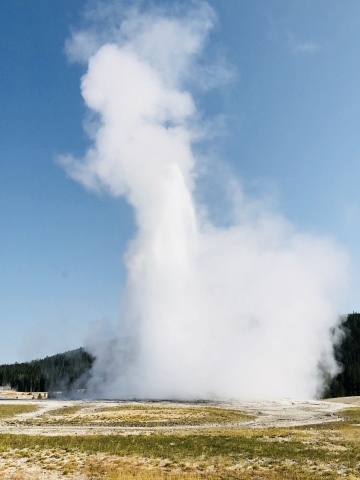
<point>292,116</point>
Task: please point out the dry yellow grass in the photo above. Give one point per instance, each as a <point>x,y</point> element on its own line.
<point>326,451</point>
<point>139,416</point>
<point>8,411</point>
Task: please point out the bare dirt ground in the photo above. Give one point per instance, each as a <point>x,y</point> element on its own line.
<point>89,417</point>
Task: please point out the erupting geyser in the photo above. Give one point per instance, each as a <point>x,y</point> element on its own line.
<point>238,311</point>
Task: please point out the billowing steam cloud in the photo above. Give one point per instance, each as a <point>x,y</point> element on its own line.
<point>238,311</point>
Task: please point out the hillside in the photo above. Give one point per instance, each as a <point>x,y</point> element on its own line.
<point>347,354</point>
<point>64,371</point>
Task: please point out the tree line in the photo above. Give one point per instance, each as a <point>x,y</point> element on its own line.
<point>64,371</point>
<point>347,355</point>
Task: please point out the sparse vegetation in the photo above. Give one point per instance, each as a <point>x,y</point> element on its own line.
<point>351,415</point>
<point>10,410</point>
<point>140,416</point>
<point>328,451</point>
<point>64,411</point>
<point>197,442</point>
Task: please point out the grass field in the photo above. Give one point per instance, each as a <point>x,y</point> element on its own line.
<point>9,411</point>
<point>139,416</point>
<point>325,451</point>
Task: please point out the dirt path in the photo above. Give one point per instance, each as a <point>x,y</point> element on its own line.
<point>286,412</point>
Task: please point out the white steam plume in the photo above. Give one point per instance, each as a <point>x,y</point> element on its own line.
<point>242,311</point>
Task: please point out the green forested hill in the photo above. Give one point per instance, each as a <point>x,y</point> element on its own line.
<point>64,371</point>
<point>347,354</point>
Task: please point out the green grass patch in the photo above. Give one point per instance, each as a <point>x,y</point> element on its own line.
<point>283,453</point>
<point>140,416</point>
<point>153,416</point>
<point>64,411</point>
<point>313,452</point>
<point>10,410</point>
<point>230,448</point>
<point>352,415</point>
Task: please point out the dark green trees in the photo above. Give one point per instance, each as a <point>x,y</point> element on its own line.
<point>347,354</point>
<point>64,371</point>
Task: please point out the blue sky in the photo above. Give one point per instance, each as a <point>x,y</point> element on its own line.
<point>291,130</point>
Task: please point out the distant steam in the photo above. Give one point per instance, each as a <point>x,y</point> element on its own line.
<point>238,311</point>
